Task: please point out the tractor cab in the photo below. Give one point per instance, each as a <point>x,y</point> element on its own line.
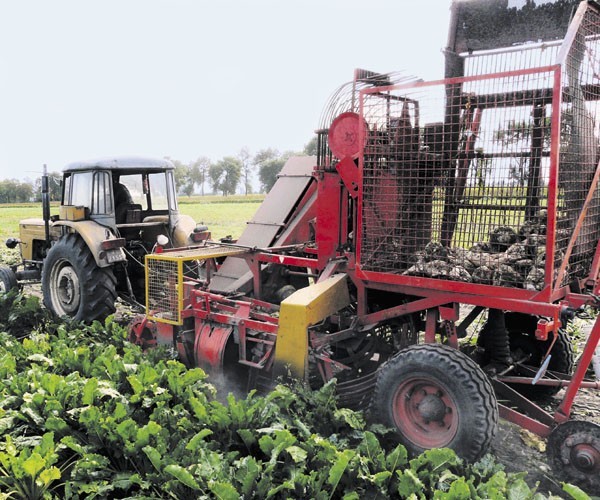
<point>134,197</point>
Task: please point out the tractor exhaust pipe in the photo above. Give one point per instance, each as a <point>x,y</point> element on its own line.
<point>46,205</point>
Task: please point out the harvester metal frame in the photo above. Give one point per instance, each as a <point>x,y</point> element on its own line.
<point>320,303</point>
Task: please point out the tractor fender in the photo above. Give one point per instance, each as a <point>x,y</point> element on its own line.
<point>93,234</point>
<point>181,232</point>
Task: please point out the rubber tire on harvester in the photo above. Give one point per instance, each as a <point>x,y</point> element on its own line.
<point>451,387</point>
<point>574,453</point>
<point>8,279</point>
<point>521,330</point>
<point>72,283</point>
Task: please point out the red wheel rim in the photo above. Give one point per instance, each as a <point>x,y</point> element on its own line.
<point>425,413</point>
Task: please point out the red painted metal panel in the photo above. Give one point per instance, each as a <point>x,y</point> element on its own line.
<point>348,171</point>
<point>329,223</point>
<point>210,343</point>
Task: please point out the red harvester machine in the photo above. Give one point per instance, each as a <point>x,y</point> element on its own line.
<point>432,255</point>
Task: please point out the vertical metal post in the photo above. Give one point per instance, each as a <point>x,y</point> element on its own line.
<point>564,410</point>
<point>46,205</point>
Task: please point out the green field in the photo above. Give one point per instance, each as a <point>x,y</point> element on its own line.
<point>223,215</point>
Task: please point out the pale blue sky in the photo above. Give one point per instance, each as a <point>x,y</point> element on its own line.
<point>81,79</point>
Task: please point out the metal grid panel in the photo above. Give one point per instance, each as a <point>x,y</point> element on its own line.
<point>455,179</point>
<point>458,177</point>
<point>535,55</point>
<point>164,289</point>
<point>579,139</point>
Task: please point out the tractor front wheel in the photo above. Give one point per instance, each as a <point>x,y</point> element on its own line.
<point>73,285</point>
<point>8,279</point>
<point>437,397</point>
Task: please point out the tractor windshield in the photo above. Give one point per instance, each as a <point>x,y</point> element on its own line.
<point>148,190</point>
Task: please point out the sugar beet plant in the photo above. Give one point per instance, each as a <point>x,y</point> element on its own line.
<point>84,414</point>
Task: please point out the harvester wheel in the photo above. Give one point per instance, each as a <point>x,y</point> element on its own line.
<point>8,279</point>
<point>574,450</point>
<point>142,332</point>
<point>73,285</point>
<point>437,397</point>
<point>524,344</point>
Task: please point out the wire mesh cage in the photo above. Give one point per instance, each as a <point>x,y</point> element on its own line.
<point>163,289</point>
<point>169,272</point>
<point>484,178</point>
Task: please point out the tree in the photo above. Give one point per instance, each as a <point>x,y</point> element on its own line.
<point>24,191</point>
<point>225,175</point>
<point>268,172</point>
<point>310,148</point>
<point>265,155</point>
<point>14,191</point>
<point>198,170</point>
<point>244,157</point>
<point>267,161</point>
<point>188,176</point>
<point>182,177</point>
<point>518,171</point>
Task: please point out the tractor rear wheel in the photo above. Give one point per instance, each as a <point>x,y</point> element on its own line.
<point>8,279</point>
<point>73,285</point>
<point>437,397</point>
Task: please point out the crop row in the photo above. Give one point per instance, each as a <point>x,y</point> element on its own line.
<point>84,414</point>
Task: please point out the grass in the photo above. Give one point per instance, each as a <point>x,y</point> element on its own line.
<point>224,215</point>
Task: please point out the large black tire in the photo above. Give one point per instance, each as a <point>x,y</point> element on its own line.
<point>8,279</point>
<point>73,285</point>
<point>436,397</point>
<point>521,330</point>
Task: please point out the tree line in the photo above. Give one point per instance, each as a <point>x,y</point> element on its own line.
<point>16,191</point>
<point>232,172</point>
<point>201,176</point>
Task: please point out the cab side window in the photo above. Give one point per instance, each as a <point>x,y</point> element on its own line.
<point>102,198</point>
<point>80,192</point>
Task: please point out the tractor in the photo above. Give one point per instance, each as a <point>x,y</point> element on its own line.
<point>113,212</point>
<point>432,255</point>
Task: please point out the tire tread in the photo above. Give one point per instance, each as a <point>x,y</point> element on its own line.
<point>453,364</point>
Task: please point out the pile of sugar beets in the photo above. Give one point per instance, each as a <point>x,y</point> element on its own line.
<point>509,258</point>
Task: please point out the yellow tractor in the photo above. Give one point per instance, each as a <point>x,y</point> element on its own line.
<point>111,215</point>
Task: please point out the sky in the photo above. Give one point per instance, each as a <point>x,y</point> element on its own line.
<point>82,79</point>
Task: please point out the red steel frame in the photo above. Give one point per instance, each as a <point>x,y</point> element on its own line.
<point>504,297</point>
<point>548,302</point>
